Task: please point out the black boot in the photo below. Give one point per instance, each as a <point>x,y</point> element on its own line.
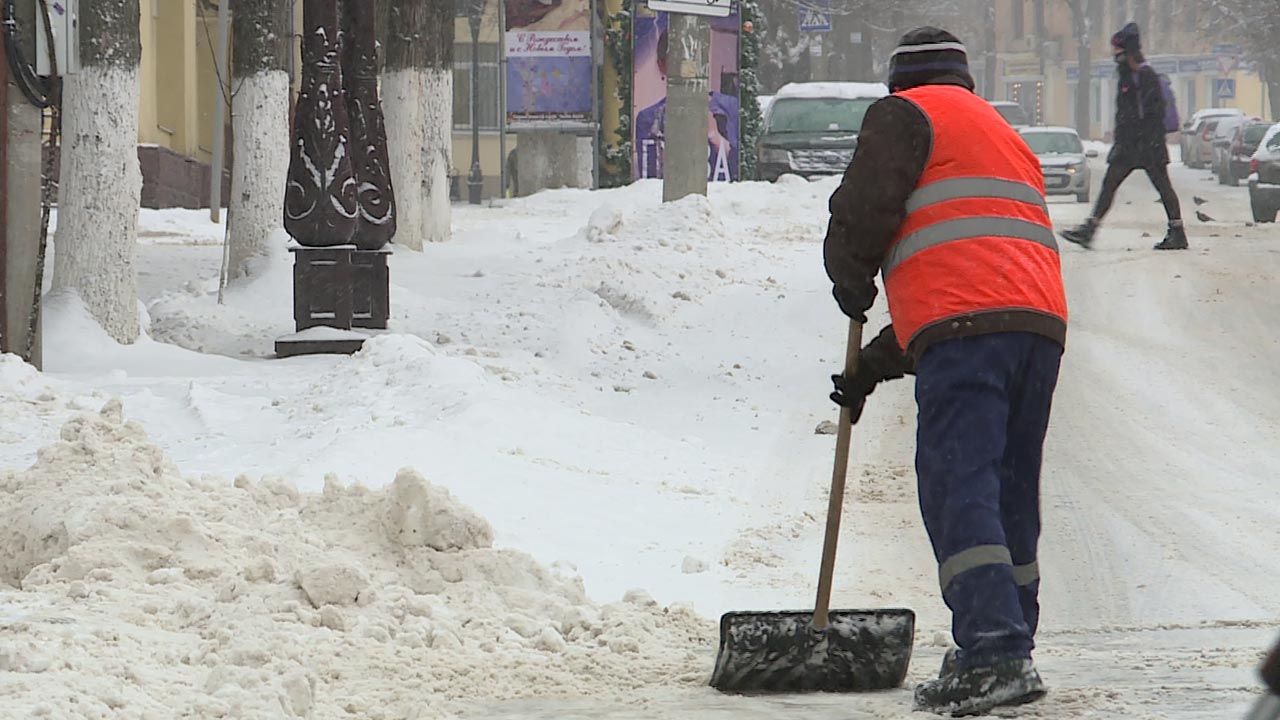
<point>1082,234</point>
<point>950,661</point>
<point>1176,239</point>
<point>979,689</point>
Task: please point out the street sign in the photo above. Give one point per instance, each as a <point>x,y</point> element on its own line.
<point>816,17</point>
<point>1226,49</point>
<point>1224,88</point>
<point>710,8</point>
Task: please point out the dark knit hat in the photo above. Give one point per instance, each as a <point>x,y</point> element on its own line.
<point>926,55</point>
<point>1129,39</point>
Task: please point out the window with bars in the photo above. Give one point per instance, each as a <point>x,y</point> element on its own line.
<point>490,105</point>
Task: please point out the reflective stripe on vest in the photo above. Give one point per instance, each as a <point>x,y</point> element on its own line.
<point>969,227</point>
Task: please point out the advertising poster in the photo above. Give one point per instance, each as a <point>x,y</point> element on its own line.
<point>548,47</point>
<point>649,95</point>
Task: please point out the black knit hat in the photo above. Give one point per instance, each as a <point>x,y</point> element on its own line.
<point>1129,39</point>
<point>926,55</point>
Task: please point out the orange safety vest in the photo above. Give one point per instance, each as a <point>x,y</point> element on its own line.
<point>977,236</point>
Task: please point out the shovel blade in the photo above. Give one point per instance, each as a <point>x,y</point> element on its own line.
<point>858,651</point>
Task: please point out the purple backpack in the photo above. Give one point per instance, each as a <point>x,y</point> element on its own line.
<point>1172,123</point>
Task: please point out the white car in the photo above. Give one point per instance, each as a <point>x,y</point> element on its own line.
<point>1012,112</point>
<point>1063,160</point>
<point>1196,139</point>
<point>1264,180</point>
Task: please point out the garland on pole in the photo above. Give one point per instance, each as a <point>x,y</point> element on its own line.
<point>750,119</point>
<point>616,171</point>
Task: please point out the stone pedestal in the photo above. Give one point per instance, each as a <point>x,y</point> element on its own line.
<point>547,160</point>
<point>336,290</point>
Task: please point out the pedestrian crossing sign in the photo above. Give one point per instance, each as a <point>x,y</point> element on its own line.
<point>1224,88</point>
<point>815,18</point>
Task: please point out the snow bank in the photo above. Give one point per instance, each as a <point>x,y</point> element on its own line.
<point>255,311</point>
<point>138,592</point>
<point>624,251</point>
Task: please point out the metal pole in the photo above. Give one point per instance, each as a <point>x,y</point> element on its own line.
<point>684,167</point>
<point>220,114</point>
<point>475,183</point>
<point>502,98</point>
<point>5,343</point>
<point>597,114</point>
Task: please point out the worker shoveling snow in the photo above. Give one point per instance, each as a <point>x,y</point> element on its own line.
<point>131,591</point>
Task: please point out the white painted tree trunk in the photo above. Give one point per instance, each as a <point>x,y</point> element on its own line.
<point>101,190</point>
<point>260,123</point>
<point>418,107</point>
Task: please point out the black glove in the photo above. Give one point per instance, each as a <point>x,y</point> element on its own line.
<point>850,302</point>
<point>851,393</point>
<point>880,360</point>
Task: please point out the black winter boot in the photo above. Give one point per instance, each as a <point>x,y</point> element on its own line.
<point>950,661</point>
<point>977,690</point>
<point>1082,234</point>
<point>1175,239</point>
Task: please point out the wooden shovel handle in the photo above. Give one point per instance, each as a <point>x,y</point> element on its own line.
<point>835,505</point>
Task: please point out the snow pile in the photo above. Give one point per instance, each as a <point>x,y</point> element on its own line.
<point>179,226</point>
<point>142,593</point>
<point>369,389</point>
<point>255,310</point>
<point>643,263</point>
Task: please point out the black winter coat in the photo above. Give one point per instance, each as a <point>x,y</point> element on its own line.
<point>1139,133</point>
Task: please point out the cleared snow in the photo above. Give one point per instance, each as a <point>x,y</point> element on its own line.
<point>626,391</point>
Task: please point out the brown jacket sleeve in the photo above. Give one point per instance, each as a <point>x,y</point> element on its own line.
<point>866,210</point>
<point>871,202</point>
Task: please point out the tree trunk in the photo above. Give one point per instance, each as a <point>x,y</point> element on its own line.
<point>101,183</point>
<point>260,123</point>
<point>1271,73</point>
<point>1084,58</point>
<point>417,87</point>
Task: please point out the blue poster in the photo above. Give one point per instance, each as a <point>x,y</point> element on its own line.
<point>649,96</point>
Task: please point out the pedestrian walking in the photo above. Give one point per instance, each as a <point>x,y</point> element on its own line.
<point>1139,141</point>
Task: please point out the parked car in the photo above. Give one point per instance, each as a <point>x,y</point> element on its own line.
<point>811,128</point>
<point>1193,138</point>
<point>1244,143</point>
<point>1223,135</point>
<point>1011,112</point>
<point>1063,160</point>
<point>1264,180</point>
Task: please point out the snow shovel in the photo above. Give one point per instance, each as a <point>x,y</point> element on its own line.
<point>824,650</point>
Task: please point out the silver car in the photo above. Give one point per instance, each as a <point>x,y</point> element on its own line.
<point>1063,160</point>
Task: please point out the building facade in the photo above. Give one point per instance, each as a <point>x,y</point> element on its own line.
<point>1038,66</point>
